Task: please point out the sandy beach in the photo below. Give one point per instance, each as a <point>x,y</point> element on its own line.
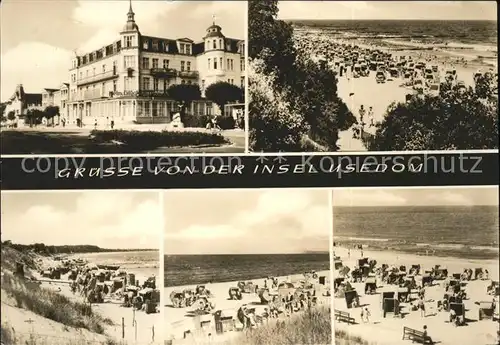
<point>465,59</point>
<point>180,320</point>
<point>138,326</point>
<point>389,330</point>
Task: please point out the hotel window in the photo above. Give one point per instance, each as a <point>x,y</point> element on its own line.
<point>209,63</point>
<point>182,48</point>
<point>93,71</point>
<point>129,61</point>
<point>215,63</point>
<point>114,85</point>
<point>155,63</point>
<point>215,44</point>
<point>165,63</point>
<point>221,45</point>
<point>103,88</point>
<point>221,65</point>
<point>182,66</point>
<point>242,65</point>
<point>145,63</point>
<point>189,66</point>
<point>242,82</point>
<point>155,84</point>
<point>147,109</point>
<point>139,108</point>
<point>161,109</point>
<point>128,41</point>
<point>103,68</point>
<point>145,83</point>
<point>227,64</point>
<point>188,49</point>
<point>232,65</point>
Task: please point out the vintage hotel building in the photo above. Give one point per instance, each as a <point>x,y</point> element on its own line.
<point>127,80</point>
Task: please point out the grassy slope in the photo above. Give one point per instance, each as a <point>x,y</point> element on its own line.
<point>308,328</point>
<point>46,306</point>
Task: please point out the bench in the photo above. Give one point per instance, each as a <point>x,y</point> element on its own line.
<point>343,316</point>
<point>416,336</point>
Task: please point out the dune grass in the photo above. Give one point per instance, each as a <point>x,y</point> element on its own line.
<point>53,305</point>
<point>8,337</point>
<point>344,338</point>
<point>313,327</point>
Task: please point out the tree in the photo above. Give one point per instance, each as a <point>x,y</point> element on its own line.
<point>457,119</point>
<point>184,94</point>
<point>221,93</point>
<point>2,108</point>
<point>34,117</point>
<point>11,115</point>
<point>51,112</point>
<point>275,126</point>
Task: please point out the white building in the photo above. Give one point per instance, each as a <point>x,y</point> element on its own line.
<point>128,79</point>
<point>20,102</point>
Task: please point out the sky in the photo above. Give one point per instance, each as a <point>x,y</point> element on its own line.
<point>247,221</point>
<point>36,50</point>
<point>108,219</point>
<point>440,10</point>
<point>455,196</point>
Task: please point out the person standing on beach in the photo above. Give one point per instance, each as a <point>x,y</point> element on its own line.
<point>367,315</point>
<point>421,306</point>
<point>370,117</point>
<point>349,253</point>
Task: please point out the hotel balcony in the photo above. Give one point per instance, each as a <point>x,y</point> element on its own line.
<point>163,72</point>
<point>98,78</point>
<point>188,74</point>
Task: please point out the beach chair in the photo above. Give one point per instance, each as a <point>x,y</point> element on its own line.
<point>486,310</point>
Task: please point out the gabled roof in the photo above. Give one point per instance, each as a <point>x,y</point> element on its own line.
<point>185,39</point>
<point>51,90</point>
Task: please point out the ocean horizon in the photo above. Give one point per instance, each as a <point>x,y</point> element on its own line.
<point>474,32</point>
<point>183,270</point>
<point>456,231</point>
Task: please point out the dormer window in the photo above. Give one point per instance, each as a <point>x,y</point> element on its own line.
<point>155,45</point>
<point>145,45</point>
<point>188,49</point>
<point>165,45</point>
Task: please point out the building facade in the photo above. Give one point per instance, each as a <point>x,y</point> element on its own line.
<point>20,102</point>
<point>127,80</point>
<point>57,98</point>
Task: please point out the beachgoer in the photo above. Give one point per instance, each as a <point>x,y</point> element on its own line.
<point>362,315</point>
<point>425,332</point>
<point>112,124</point>
<point>349,253</point>
<point>367,314</point>
<point>421,306</point>
<point>453,315</point>
<point>95,124</point>
<point>370,117</point>
<point>361,113</point>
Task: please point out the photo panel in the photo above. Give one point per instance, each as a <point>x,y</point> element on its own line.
<point>123,77</point>
<point>416,264</point>
<point>356,76</point>
<point>247,266</point>
<point>81,267</point>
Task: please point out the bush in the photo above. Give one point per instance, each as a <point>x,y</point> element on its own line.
<point>142,140</point>
<point>457,119</point>
<point>274,124</point>
<point>226,122</point>
<point>196,121</point>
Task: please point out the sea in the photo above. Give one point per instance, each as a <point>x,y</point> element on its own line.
<point>460,31</point>
<point>143,263</point>
<point>452,231</point>
<point>202,269</point>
